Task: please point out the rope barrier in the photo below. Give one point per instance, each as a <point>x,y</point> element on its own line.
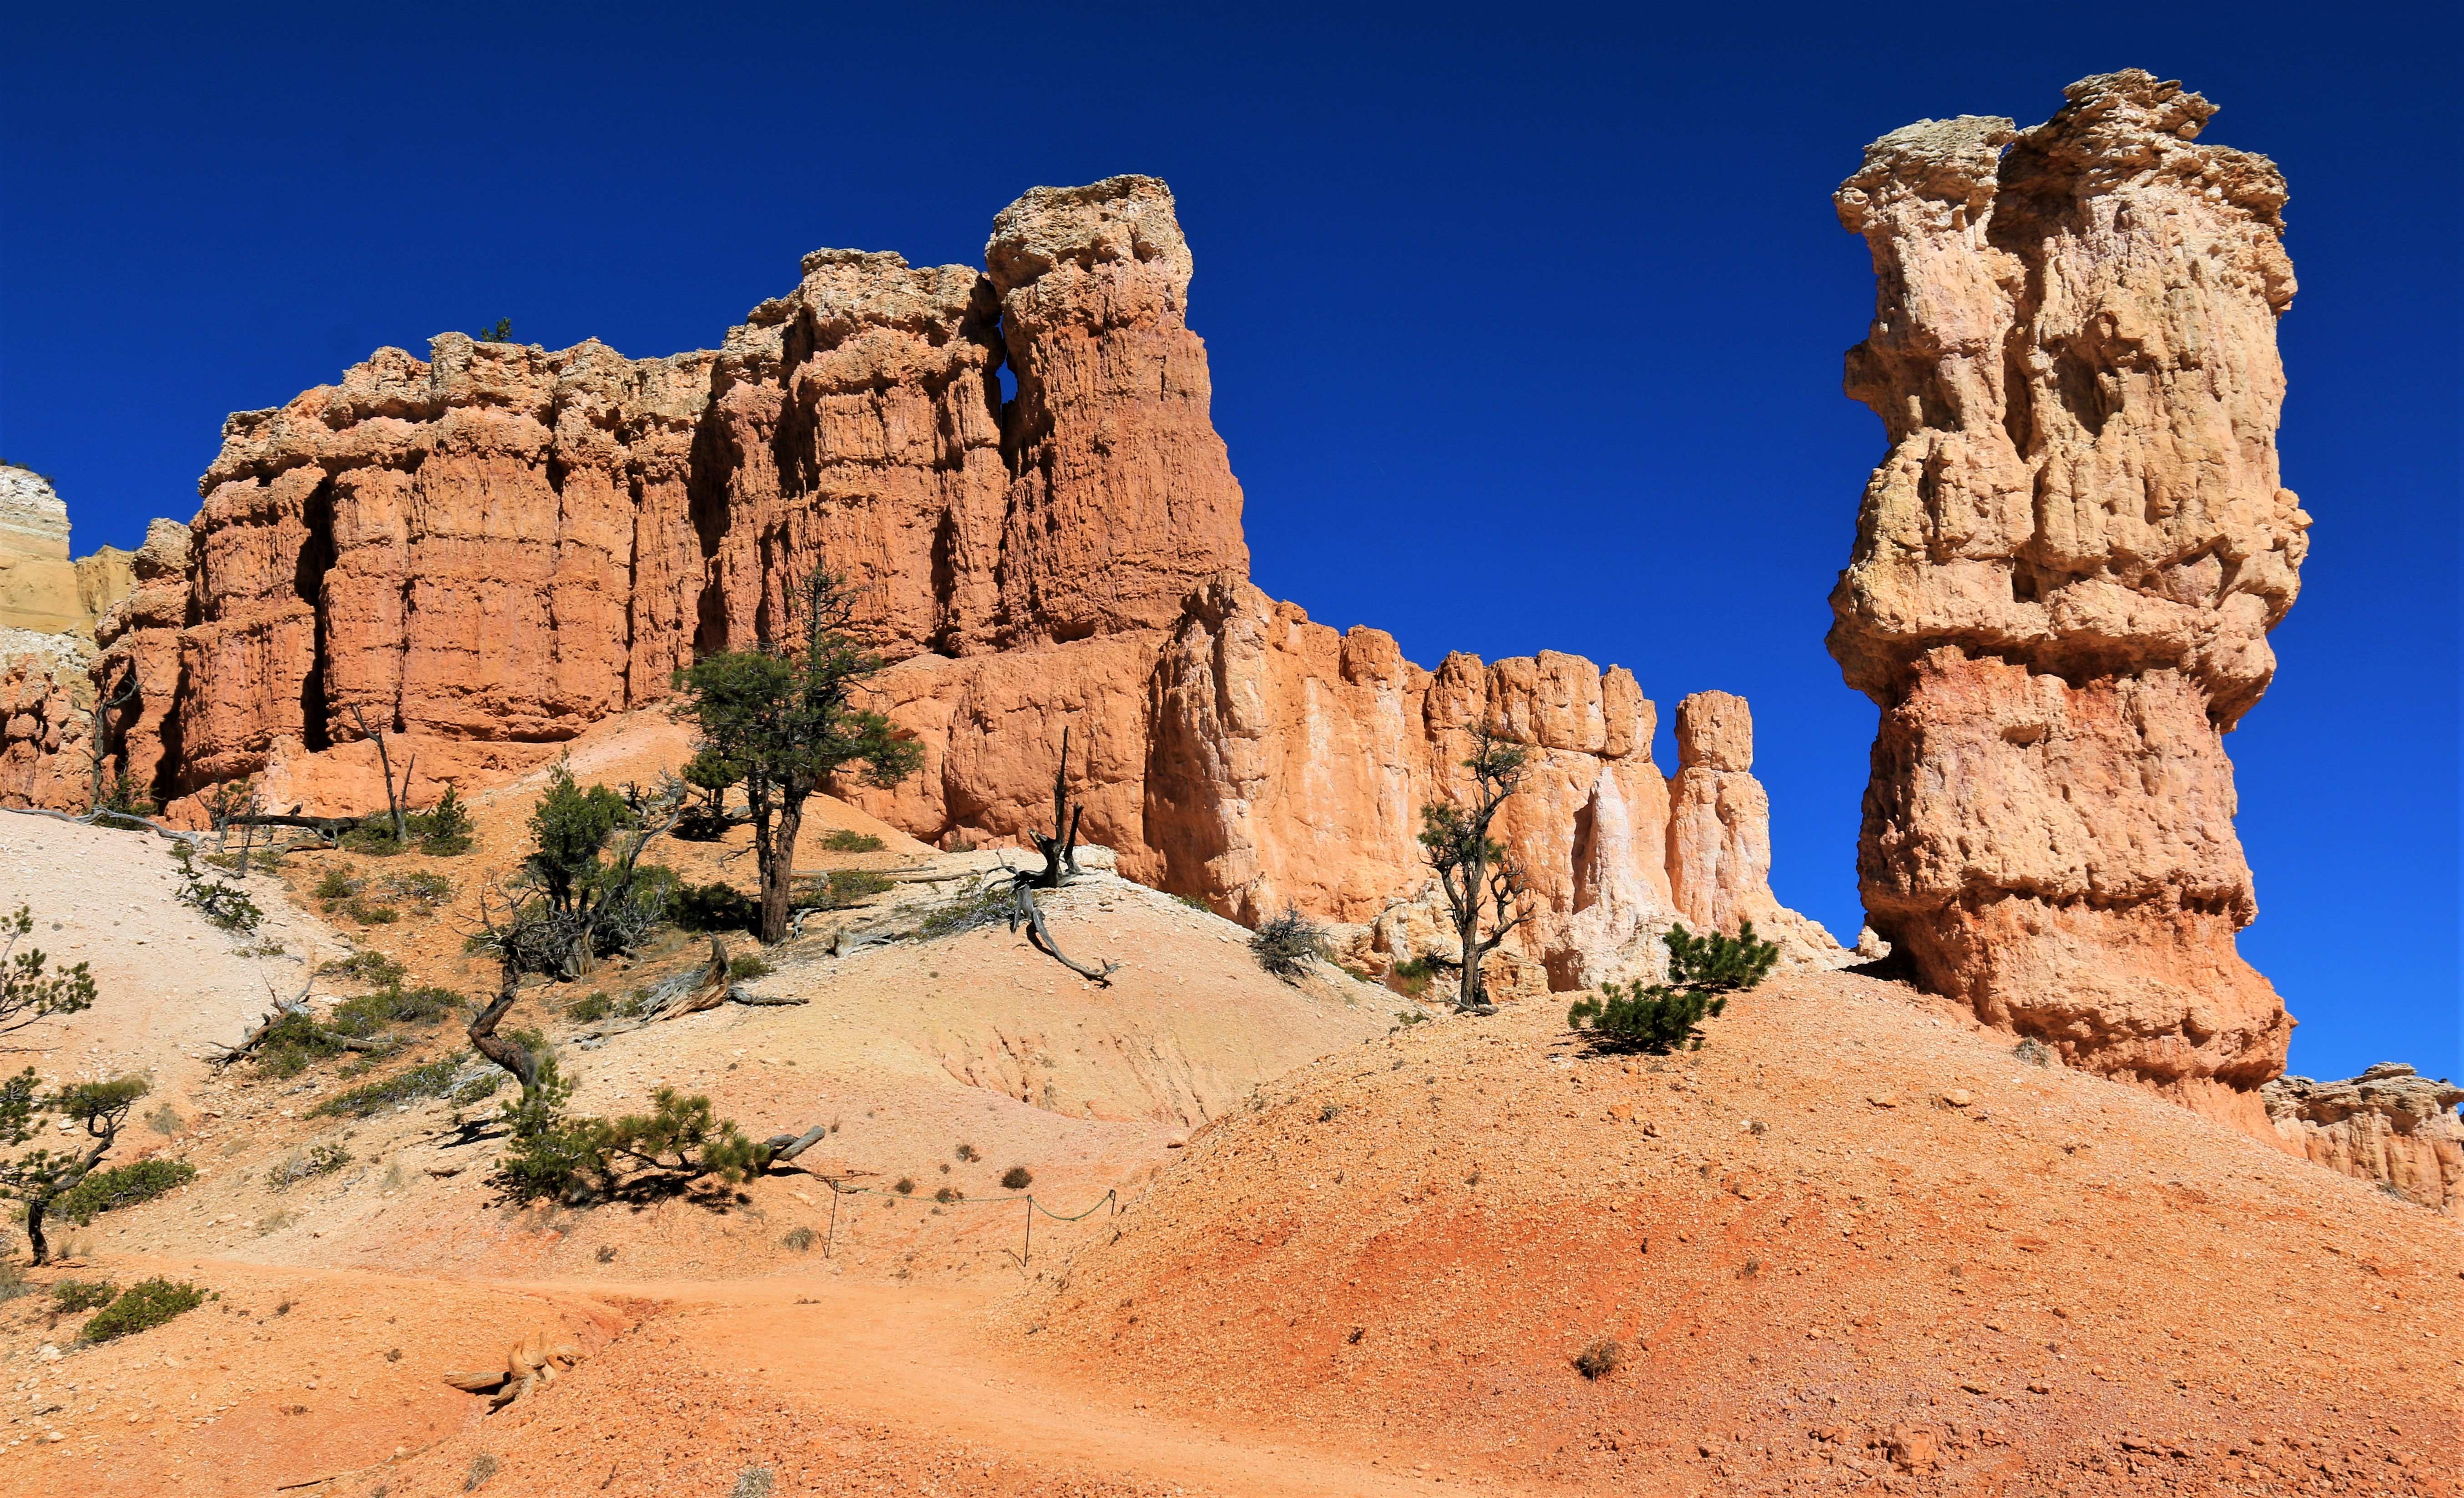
<point>829,1243</point>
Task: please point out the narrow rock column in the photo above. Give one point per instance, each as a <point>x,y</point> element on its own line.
<point>2066,571</point>
<point>1719,817</point>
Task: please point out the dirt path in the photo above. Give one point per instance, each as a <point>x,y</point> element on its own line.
<point>329,1383</point>
<point>915,1359</point>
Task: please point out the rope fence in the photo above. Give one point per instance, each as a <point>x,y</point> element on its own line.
<point>838,1188</point>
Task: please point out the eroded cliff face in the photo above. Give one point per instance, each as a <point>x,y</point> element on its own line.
<point>49,605</point>
<point>2066,571</point>
<point>2389,1126</point>
<point>486,551</point>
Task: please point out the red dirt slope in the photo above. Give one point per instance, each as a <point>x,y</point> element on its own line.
<point>1849,1240</point>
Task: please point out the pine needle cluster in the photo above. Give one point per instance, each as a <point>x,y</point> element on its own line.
<point>1659,1018</point>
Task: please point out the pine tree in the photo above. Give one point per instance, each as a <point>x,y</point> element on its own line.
<point>1482,883</point>
<point>782,722</point>
<point>1659,1018</point>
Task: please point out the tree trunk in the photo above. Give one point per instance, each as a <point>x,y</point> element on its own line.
<point>385,767</point>
<point>505,1053</point>
<point>34,1233</point>
<point>778,871</point>
<point>1467,922</point>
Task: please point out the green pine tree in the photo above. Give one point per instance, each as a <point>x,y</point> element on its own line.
<point>1659,1018</point>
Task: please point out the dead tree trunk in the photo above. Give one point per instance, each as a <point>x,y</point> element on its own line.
<point>385,767</point>
<point>1059,852</point>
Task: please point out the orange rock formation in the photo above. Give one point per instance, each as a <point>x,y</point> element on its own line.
<point>490,550</point>
<point>2389,1125</point>
<point>2065,571</point>
<point>48,604</point>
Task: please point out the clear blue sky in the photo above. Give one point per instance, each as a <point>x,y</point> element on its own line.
<point>1553,295</point>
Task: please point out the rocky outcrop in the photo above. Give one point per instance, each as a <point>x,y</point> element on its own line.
<point>38,583</point>
<point>140,642</point>
<point>2066,571</point>
<point>49,605</point>
<point>46,721</point>
<point>2389,1125</point>
<point>487,551</point>
<point>1719,833</point>
<point>42,589</point>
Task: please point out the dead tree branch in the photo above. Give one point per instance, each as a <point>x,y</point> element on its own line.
<point>1060,852</point>
<point>295,1007</point>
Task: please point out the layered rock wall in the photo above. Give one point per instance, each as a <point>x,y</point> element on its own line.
<point>484,552</point>
<point>2389,1126</point>
<point>2065,571</point>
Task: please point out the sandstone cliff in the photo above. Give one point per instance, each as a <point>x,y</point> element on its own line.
<point>49,606</point>
<point>486,551</point>
<point>2066,571</point>
<point>2389,1125</point>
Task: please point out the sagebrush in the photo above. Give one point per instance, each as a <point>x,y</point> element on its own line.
<point>1288,944</point>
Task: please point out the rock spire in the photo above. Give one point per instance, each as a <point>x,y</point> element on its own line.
<point>2065,571</point>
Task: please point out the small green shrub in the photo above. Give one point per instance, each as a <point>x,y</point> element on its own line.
<point>848,840</point>
<point>70,1296</point>
<point>1412,976</point>
<point>370,912</point>
<point>226,906</point>
<point>148,1303</point>
<point>1645,1017</point>
<point>443,831</point>
<point>429,1080</point>
<point>1194,903</point>
<point>423,889</point>
<point>748,965</point>
<point>947,1195</point>
<point>590,1008</point>
<point>800,1239</point>
<point>370,1013</point>
<point>1287,945</point>
<point>841,889</point>
<point>1659,1018</point>
<point>966,911</point>
<point>368,967</point>
<point>579,1159</point>
<point>906,1186</point>
<point>121,1187</point>
<point>125,798</point>
<point>338,885</point>
<point>373,837</point>
<point>968,1153</point>
<point>712,907</point>
<point>1017,1177</point>
<point>501,333</point>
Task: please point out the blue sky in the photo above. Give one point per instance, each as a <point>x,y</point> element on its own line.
<point>1551,292</point>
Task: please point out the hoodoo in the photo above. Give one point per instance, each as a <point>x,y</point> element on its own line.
<point>487,551</point>
<point>2065,571</point>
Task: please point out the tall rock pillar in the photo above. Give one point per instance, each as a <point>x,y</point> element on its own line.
<point>2065,571</point>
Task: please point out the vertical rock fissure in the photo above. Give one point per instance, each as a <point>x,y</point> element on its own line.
<point>308,580</point>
